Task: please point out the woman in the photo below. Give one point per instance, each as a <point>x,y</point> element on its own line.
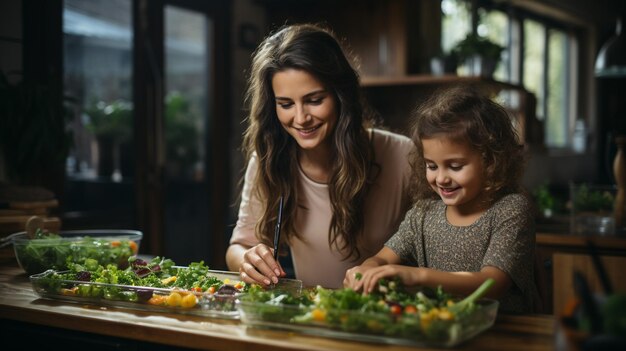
<point>308,141</point>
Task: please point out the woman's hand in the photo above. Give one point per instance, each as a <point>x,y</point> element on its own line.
<point>259,266</point>
<point>408,275</point>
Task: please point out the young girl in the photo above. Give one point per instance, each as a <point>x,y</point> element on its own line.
<point>310,141</point>
<point>470,221</point>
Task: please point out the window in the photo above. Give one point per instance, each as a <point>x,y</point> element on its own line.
<point>545,66</point>
<point>188,100</point>
<point>97,55</point>
<point>547,53</point>
<point>556,96</point>
<point>147,141</point>
<point>534,52</point>
<point>494,25</point>
<point>457,22</point>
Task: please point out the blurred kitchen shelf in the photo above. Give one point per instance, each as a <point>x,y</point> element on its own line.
<point>394,97</point>
<point>14,224</point>
<point>427,79</point>
<point>19,203</point>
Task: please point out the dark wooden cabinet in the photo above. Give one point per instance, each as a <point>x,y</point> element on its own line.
<point>559,255</point>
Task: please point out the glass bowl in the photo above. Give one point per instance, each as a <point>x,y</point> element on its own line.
<point>106,246</point>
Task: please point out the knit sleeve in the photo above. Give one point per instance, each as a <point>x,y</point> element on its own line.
<point>407,241</point>
<point>512,244</point>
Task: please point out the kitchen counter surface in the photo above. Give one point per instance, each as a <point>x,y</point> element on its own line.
<point>18,302</point>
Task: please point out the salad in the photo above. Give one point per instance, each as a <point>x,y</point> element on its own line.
<point>158,282</point>
<point>49,250</point>
<point>391,314</point>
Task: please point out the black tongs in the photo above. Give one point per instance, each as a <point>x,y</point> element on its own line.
<point>277,233</point>
<point>277,229</point>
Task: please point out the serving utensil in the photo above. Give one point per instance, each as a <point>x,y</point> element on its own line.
<point>277,229</point>
<point>31,226</point>
<point>277,236</point>
<point>7,240</point>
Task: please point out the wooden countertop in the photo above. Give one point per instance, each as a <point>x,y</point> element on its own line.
<point>20,303</point>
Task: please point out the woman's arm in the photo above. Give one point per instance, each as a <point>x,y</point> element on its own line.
<point>234,256</point>
<point>253,260</point>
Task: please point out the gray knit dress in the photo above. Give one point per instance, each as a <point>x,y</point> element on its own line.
<point>503,237</point>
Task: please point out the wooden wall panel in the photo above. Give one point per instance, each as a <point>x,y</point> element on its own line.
<point>565,264</point>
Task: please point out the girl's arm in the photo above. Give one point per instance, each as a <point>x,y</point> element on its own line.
<point>458,283</point>
<point>385,256</point>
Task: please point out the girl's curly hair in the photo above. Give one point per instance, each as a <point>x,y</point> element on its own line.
<point>466,113</point>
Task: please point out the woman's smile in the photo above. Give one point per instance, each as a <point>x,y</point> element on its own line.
<point>308,132</point>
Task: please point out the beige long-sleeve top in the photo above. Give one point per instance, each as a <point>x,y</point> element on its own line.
<point>315,263</point>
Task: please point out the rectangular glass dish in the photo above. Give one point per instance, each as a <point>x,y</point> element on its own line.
<point>172,300</point>
<point>410,330</point>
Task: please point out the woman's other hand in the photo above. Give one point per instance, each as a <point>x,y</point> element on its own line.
<point>259,266</point>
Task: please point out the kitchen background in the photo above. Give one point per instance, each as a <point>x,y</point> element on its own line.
<point>135,107</point>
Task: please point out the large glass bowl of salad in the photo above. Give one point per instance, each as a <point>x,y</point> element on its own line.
<point>57,251</point>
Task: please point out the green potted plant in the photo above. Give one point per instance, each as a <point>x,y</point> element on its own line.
<point>444,63</point>
<point>110,120</point>
<point>592,209</point>
<point>111,124</point>
<point>479,54</point>
<point>544,200</point>
<point>181,138</point>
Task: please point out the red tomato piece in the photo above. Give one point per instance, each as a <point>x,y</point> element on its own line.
<point>395,309</point>
<point>410,309</point>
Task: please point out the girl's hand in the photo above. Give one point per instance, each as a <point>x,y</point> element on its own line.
<point>408,275</point>
<point>353,278</point>
<point>259,266</point>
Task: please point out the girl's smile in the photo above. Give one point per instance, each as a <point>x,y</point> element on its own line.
<point>448,192</point>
